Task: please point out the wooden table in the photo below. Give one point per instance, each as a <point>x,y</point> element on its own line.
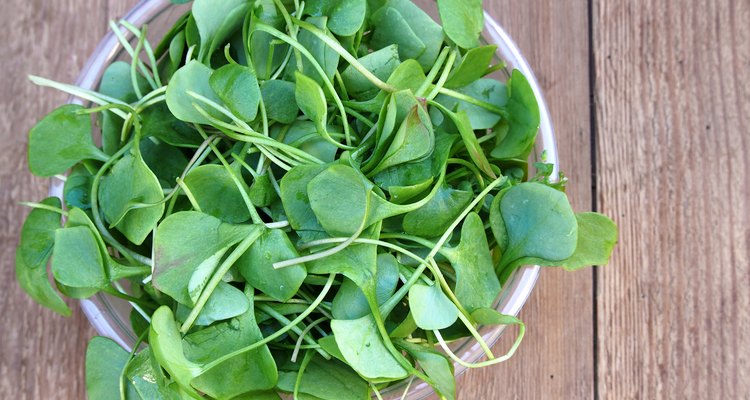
<point>651,102</point>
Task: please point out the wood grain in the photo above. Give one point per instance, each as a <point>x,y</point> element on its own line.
<point>42,353</point>
<point>673,107</point>
<point>556,359</point>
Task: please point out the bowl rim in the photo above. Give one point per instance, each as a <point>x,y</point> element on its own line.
<point>99,309</point>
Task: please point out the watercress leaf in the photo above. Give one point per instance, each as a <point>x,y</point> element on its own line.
<point>266,395</point>
<point>431,308</point>
<point>486,90</point>
<point>267,52</point>
<point>77,189</point>
<point>148,379</point>
<point>248,372</point>
<point>473,66</point>
<point>256,266</point>
<point>60,140</point>
<point>324,55</point>
<point>216,20</point>
<point>414,173</point>
<point>105,362</point>
<point>304,136</point>
<point>539,223</point>
<point>477,286</point>
<point>340,199</point>
<point>404,23</point>
<point>597,236</point>
<point>350,302</point>
<point>524,120</point>
<point>438,214</point>
<point>176,54</point>
<point>262,192</point>
<point>463,21</point>
<point>346,17</point>
<point>463,124</point>
<point>33,252</point>
<point>131,181</point>
<point>158,122</point>
<point>193,77</point>
<point>237,86</point>
<point>166,346</point>
<point>311,100</point>
<point>279,99</point>
<point>165,161</point>
<point>436,365</point>
<point>189,242</point>
<point>364,350</point>
<point>225,302</point>
<point>327,379</point>
<point>358,262</point>
<point>382,63</point>
<point>216,193</point>
<point>402,194</point>
<point>489,316</point>
<point>76,260</point>
<point>413,141</point>
<point>295,199</point>
<point>117,83</point>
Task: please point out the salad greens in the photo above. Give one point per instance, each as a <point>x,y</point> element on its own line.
<point>307,199</point>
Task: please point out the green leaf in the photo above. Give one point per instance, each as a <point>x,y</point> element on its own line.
<point>225,302</point>
<point>148,379</point>
<point>489,316</point>
<point>160,123</point>
<point>131,181</point>
<point>248,372</point>
<point>477,286</point>
<point>304,136</point>
<point>165,161</point>
<point>346,17</point>
<point>473,66</point>
<point>463,21</point>
<point>539,223</point>
<point>364,350</point>
<point>267,53</point>
<point>324,55</point>
<point>524,120</point>
<point>77,261</point>
<point>216,21</point>
<point>324,379</point>
<point>358,262</point>
<point>463,124</point>
<point>435,217</point>
<point>166,346</point>
<point>256,266</point>
<point>61,140</point>
<point>403,23</point>
<point>382,63</point>
<point>190,242</point>
<point>77,189</point>
<point>351,302</point>
<point>311,100</point>
<point>436,365</point>
<point>105,361</point>
<point>237,86</point>
<point>279,99</point>
<point>193,77</point>
<point>33,252</point>
<point>487,90</point>
<point>117,83</point>
<point>217,194</point>
<point>262,192</point>
<point>295,199</point>
<point>413,141</point>
<point>431,308</point>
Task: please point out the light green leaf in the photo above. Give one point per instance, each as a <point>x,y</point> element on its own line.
<point>193,77</point>
<point>217,194</point>
<point>463,21</point>
<point>364,350</point>
<point>60,140</point>
<point>76,260</point>
<point>431,308</point>
<point>166,346</point>
<point>346,17</point>
<point>382,63</point>
<point>237,86</point>
<point>472,66</point>
<point>280,102</point>
<point>436,365</point>
<point>524,120</point>
<point>435,217</point>
<point>105,362</point>
<point>330,379</point>
<point>216,20</point>
<point>351,302</point>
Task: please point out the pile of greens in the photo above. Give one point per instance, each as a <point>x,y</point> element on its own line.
<point>308,198</point>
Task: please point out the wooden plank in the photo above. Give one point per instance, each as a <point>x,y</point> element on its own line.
<point>556,359</point>
<point>673,159</point>
<point>42,353</point>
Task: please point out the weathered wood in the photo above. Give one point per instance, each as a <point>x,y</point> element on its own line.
<point>673,105</point>
<point>556,359</point>
<point>41,354</point>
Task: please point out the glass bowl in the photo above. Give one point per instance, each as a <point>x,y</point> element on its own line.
<point>110,316</point>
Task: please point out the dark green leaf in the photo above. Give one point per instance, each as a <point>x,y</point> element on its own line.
<point>382,63</point>
<point>216,20</point>
<point>77,261</point>
<point>105,361</point>
<point>279,99</point>
<point>327,380</point>
<point>32,254</point>
<point>524,120</point>
<point>350,301</point>
<point>473,66</point>
<point>435,217</point>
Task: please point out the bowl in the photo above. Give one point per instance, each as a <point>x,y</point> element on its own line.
<point>110,316</point>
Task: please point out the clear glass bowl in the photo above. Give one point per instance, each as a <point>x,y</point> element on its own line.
<point>110,316</point>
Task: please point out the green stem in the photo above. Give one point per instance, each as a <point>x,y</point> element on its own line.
<point>443,76</point>
<point>303,334</point>
<point>480,103</point>
<point>433,73</point>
